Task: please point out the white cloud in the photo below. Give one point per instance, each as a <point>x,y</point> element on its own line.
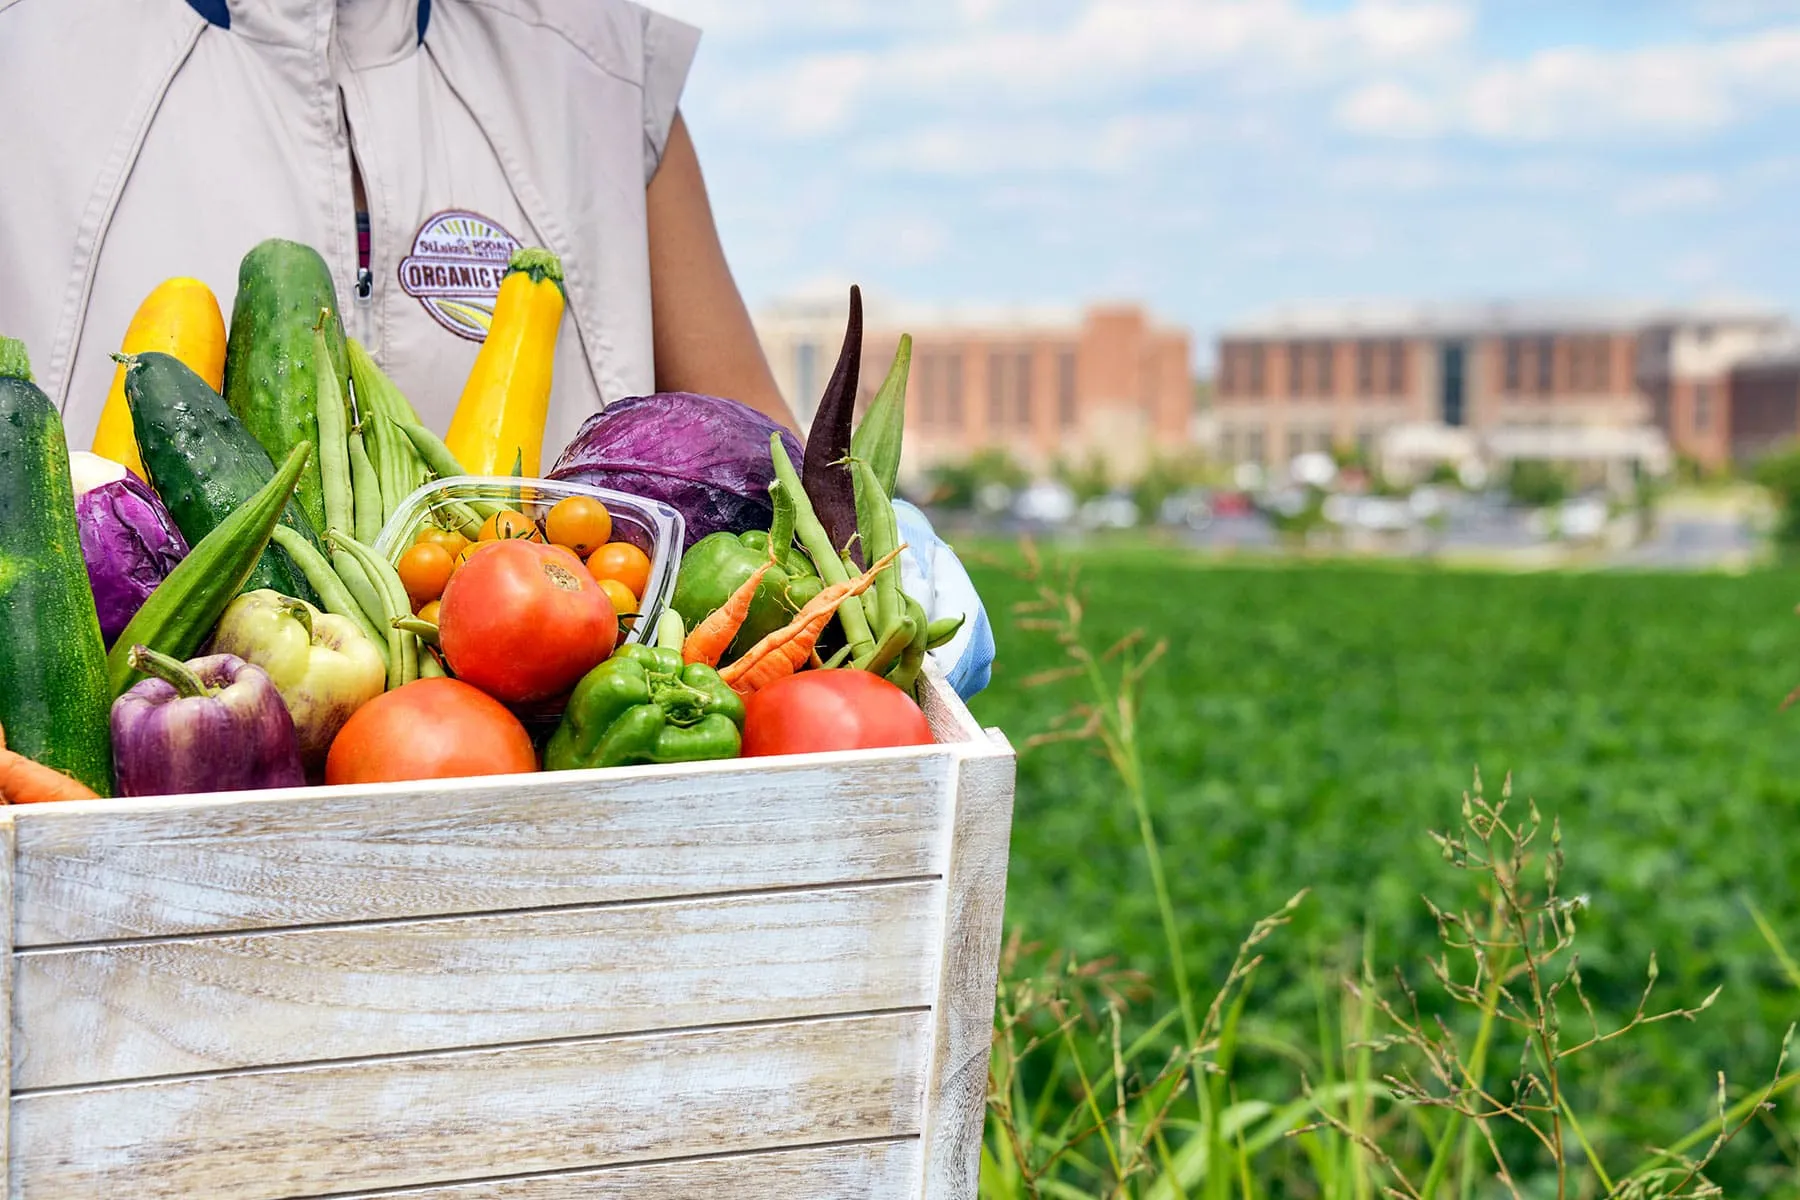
<point>1033,146</point>
<point>1671,193</point>
<point>1571,93</point>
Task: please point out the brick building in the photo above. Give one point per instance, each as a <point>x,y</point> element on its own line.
<point>1043,385</point>
<point>1762,401</point>
<point>1317,379</point>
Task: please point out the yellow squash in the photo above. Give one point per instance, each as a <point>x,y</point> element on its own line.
<point>500,418</point>
<point>180,318</point>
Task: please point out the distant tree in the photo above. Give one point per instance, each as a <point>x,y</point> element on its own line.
<point>1780,473</point>
<point>1088,481</point>
<point>1537,484</point>
<point>955,484</point>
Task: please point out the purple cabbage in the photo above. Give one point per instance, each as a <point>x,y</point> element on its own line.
<point>705,456</point>
<point>128,539</point>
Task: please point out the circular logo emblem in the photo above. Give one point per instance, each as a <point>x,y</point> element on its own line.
<point>455,268</point>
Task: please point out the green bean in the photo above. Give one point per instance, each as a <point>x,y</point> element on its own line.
<point>818,545</point>
<point>940,631</point>
<point>334,449</point>
<point>356,582</point>
<point>429,666</point>
<point>389,463</point>
<point>431,450</point>
<point>325,581</point>
<point>425,631</point>
<point>403,668</point>
<point>781,529</point>
<point>888,652</point>
<point>880,534</point>
<point>365,489</point>
<point>837,660</point>
<point>905,674</point>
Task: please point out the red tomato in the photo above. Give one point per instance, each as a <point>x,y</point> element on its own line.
<point>525,621</point>
<point>831,710</point>
<point>431,729</point>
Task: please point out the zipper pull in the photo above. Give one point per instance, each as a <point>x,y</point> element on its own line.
<point>364,303</point>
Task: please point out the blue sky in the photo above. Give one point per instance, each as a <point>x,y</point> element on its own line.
<point>1212,158</point>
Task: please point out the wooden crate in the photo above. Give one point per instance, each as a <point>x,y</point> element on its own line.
<point>731,980</point>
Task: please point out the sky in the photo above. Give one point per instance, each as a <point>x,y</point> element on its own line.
<point>1212,159</point>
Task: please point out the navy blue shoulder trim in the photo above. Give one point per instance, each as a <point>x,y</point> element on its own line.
<point>217,13</point>
<point>214,11</point>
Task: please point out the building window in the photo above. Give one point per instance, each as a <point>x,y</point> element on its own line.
<point>1546,366</point>
<point>928,389</point>
<point>1228,440</point>
<point>1703,406</point>
<point>1296,362</point>
<point>1365,368</point>
<point>1296,444</point>
<point>951,368</point>
<point>997,388</point>
<point>1065,389</point>
<point>1322,373</point>
<point>1515,365</point>
<point>1254,449</point>
<point>1256,368</point>
<point>1231,379</point>
<point>1602,364</point>
<point>1022,389</point>
<point>1396,367</point>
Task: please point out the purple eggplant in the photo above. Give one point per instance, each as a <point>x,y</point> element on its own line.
<point>823,473</point>
<point>213,724</point>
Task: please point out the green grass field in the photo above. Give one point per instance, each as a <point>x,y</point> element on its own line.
<point>1310,724</point>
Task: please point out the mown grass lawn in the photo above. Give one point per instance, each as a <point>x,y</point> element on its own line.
<point>1310,724</point>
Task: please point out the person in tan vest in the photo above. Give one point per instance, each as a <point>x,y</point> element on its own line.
<point>404,140</point>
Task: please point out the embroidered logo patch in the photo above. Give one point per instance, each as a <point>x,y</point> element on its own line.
<point>455,268</point>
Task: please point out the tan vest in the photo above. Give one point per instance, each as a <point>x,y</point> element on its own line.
<point>144,139</point>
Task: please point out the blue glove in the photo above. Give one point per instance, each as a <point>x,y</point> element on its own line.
<point>931,574</point>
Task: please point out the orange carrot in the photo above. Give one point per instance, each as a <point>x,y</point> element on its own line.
<point>790,647</point>
<point>712,637</point>
<point>23,781</point>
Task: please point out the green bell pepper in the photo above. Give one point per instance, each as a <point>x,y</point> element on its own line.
<point>644,705</point>
<point>718,564</point>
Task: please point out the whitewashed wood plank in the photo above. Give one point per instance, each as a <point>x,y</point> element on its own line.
<point>6,986</point>
<point>951,721</point>
<point>113,869</point>
<point>395,1123</point>
<point>860,1171</point>
<point>956,1088</point>
<point>131,1010</point>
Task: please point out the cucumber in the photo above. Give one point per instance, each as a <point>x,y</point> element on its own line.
<point>204,463</point>
<point>269,355</point>
<point>183,609</point>
<point>54,703</point>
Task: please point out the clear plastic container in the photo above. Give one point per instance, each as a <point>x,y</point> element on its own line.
<point>650,525</point>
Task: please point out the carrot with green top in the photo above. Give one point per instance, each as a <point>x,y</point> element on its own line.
<point>713,636</point>
<point>791,647</point>
<point>23,781</point>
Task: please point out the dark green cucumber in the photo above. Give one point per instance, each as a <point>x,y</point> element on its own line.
<point>269,356</point>
<point>54,703</point>
<point>183,609</point>
<point>204,464</point>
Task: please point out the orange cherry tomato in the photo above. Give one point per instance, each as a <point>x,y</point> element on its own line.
<point>430,611</point>
<point>449,539</point>
<point>624,562</point>
<point>508,525</point>
<point>467,552</point>
<point>579,522</point>
<point>623,601</point>
<point>424,570</point>
<point>523,622</point>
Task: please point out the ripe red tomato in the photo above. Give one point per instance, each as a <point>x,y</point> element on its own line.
<point>430,729</point>
<point>831,710</point>
<point>525,621</point>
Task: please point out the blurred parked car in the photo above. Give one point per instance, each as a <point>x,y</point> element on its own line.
<point>1047,503</point>
<point>1192,509</point>
<point>1114,511</point>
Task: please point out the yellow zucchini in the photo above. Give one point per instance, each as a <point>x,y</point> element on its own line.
<point>180,318</point>
<point>499,420</point>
